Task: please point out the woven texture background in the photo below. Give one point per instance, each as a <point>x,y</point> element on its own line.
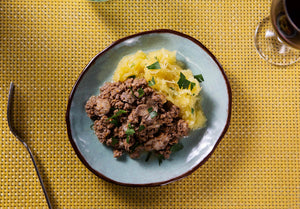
<point>44,46</point>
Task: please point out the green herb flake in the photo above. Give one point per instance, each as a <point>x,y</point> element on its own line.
<point>192,85</point>
<point>153,114</point>
<point>132,91</point>
<point>160,159</point>
<point>154,66</point>
<point>183,83</point>
<point>193,110</point>
<point>142,127</point>
<point>114,119</point>
<point>120,112</point>
<point>92,126</point>
<point>176,147</point>
<point>199,78</point>
<point>132,76</point>
<point>129,125</point>
<point>117,114</point>
<point>115,122</point>
<point>141,92</point>
<point>129,132</point>
<point>172,88</point>
<point>152,82</point>
<point>114,141</point>
<point>148,156</point>
<point>132,148</point>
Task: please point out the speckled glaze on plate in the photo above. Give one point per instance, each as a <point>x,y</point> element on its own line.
<point>198,146</point>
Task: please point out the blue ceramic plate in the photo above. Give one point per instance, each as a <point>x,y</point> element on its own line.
<point>198,146</point>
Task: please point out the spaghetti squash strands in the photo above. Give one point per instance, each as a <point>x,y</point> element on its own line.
<point>161,69</point>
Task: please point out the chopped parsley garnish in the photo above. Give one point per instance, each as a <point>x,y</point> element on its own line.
<point>148,156</point>
<point>142,127</point>
<point>136,144</point>
<point>129,125</point>
<point>160,159</point>
<point>152,113</point>
<point>154,66</point>
<point>117,114</point>
<point>132,91</point>
<point>172,88</point>
<point>132,76</point>
<point>141,92</point>
<point>152,82</point>
<point>129,132</point>
<point>193,110</point>
<point>183,83</point>
<point>114,141</point>
<point>114,118</point>
<point>92,126</point>
<point>192,85</point>
<point>199,78</point>
<point>115,122</point>
<point>176,147</point>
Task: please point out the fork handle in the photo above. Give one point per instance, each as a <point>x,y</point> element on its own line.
<point>38,173</point>
<point>10,97</point>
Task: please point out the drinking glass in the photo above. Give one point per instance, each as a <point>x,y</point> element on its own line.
<point>277,37</point>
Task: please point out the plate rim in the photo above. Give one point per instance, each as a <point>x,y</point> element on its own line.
<point>188,172</point>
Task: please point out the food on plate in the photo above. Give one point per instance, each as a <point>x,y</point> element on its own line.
<point>151,103</point>
<point>132,117</point>
<point>167,76</point>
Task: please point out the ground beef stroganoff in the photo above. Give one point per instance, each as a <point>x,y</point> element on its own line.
<point>131,118</point>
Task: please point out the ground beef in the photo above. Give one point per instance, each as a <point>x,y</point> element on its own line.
<point>131,117</point>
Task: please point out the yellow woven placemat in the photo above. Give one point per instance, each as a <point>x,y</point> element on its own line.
<point>44,45</point>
